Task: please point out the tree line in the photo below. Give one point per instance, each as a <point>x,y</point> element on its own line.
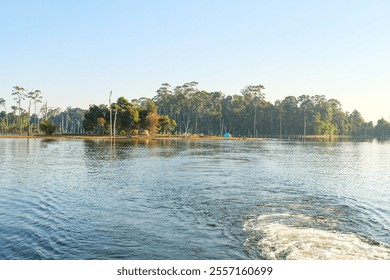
<point>185,110</point>
<point>30,115</point>
<point>125,117</point>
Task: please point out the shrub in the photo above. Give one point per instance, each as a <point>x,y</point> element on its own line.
<point>47,127</point>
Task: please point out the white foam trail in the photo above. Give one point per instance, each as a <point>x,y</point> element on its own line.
<point>280,241</point>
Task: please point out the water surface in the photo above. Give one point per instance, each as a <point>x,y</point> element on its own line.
<point>75,199</point>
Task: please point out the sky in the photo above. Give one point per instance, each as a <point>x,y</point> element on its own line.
<point>77,51</point>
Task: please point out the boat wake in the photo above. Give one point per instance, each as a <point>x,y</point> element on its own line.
<point>299,237</point>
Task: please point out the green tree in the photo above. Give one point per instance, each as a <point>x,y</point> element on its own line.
<point>145,107</point>
<point>19,93</point>
<point>5,118</point>
<point>291,121</point>
<point>254,97</point>
<point>47,127</point>
<point>36,97</point>
<point>90,122</point>
<point>127,115</point>
<point>280,111</point>
<point>382,128</point>
<point>357,123</point>
<point>163,99</point>
<point>166,124</point>
<point>152,122</point>
<point>305,106</point>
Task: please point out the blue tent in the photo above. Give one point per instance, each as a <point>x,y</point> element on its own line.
<point>227,135</point>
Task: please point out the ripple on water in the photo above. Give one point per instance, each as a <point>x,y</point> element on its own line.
<point>187,200</point>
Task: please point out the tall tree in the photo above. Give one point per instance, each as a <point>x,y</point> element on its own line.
<point>19,93</point>
<point>280,111</point>
<point>255,96</point>
<point>163,99</point>
<point>304,102</point>
<point>357,123</point>
<point>382,128</point>
<point>44,111</point>
<point>109,108</point>
<point>2,103</point>
<point>290,117</point>
<point>35,97</point>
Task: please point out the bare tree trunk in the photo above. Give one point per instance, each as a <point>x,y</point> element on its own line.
<point>280,127</point>
<point>20,119</point>
<point>196,124</point>
<point>220,127</point>
<point>67,124</point>
<point>28,120</point>
<point>35,113</point>
<point>6,120</point>
<point>62,123</point>
<point>254,124</point>
<point>109,107</point>
<point>116,112</point>
<point>304,127</point>
<point>46,109</point>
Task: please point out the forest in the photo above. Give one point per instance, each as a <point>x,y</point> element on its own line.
<point>187,110</point>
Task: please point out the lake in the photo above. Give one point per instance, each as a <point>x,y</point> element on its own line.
<point>177,199</point>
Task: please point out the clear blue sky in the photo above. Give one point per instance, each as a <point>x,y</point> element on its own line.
<point>75,52</point>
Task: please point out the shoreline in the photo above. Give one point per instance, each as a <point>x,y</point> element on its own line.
<point>108,138</point>
<point>169,137</point>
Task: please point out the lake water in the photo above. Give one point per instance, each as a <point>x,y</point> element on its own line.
<point>76,199</point>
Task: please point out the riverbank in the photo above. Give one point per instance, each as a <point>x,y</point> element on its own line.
<point>121,137</point>
<point>327,137</point>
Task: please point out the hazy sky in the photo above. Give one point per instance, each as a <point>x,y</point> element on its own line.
<point>76,51</point>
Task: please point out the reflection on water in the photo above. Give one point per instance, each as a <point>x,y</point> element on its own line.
<point>175,199</point>
<point>127,149</point>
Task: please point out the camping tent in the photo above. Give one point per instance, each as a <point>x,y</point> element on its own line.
<point>227,135</point>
